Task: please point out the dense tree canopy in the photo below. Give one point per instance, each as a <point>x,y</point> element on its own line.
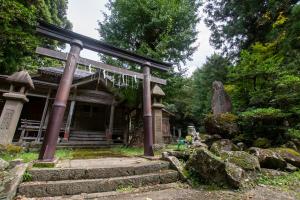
<point>215,69</point>
<point>161,29</point>
<point>17,24</point>
<point>236,25</point>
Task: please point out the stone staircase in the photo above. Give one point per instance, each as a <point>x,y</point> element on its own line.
<point>85,139</point>
<point>87,136</point>
<point>70,180</point>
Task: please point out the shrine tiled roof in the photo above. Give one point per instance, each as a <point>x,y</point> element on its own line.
<point>58,71</point>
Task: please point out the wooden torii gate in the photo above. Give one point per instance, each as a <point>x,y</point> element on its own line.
<point>78,42</point>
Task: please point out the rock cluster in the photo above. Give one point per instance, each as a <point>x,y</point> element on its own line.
<point>224,163</point>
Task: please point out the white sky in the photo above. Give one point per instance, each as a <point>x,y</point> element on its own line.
<point>84,15</point>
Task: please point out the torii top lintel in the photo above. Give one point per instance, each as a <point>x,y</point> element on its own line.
<point>67,36</point>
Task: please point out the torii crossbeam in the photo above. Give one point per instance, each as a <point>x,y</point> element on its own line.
<point>78,42</point>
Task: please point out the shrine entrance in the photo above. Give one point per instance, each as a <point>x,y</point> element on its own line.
<point>78,42</point>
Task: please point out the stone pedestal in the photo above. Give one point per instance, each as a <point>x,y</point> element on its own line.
<point>157,106</point>
<point>10,116</point>
<point>157,123</point>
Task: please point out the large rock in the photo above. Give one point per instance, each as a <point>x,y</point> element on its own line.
<point>224,124</point>
<point>223,145</point>
<point>183,155</point>
<point>242,159</point>
<point>3,165</point>
<point>209,139</point>
<point>220,102</point>
<point>235,175</point>
<point>268,158</point>
<point>213,169</point>
<point>177,165</point>
<point>289,155</point>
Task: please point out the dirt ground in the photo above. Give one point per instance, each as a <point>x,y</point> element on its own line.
<point>184,192</point>
<point>258,193</point>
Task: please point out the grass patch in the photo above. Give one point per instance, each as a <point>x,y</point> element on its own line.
<point>27,177</point>
<point>84,153</point>
<point>127,188</point>
<point>30,156</point>
<point>286,181</point>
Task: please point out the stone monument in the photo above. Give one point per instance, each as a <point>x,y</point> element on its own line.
<point>196,140</point>
<point>20,83</point>
<point>220,102</point>
<point>157,106</point>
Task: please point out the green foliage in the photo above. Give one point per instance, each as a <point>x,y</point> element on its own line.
<point>266,80</point>
<point>179,99</point>
<point>262,143</point>
<point>166,30</point>
<point>13,149</point>
<point>18,41</point>
<point>236,25</point>
<point>262,113</point>
<point>264,123</point>
<point>189,139</point>
<point>27,177</point>
<point>161,29</point>
<point>215,69</point>
<point>294,133</point>
<point>284,181</point>
<point>127,188</point>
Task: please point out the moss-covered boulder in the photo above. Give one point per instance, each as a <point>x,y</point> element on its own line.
<point>212,168</point>
<point>224,124</point>
<point>289,155</point>
<point>242,159</point>
<point>262,143</point>
<point>223,145</point>
<point>209,139</point>
<point>268,158</point>
<point>234,174</point>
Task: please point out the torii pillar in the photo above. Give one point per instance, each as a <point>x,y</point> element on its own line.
<point>147,111</point>
<point>59,106</point>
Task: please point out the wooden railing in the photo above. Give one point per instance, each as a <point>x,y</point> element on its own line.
<point>30,128</point>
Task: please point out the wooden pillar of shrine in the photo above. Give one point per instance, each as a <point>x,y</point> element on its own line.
<point>42,123</point>
<point>111,122</point>
<point>69,120</point>
<point>70,116</point>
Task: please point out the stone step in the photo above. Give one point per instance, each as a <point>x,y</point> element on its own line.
<point>74,187</point>
<point>83,143</point>
<point>116,194</point>
<point>94,172</point>
<point>86,139</point>
<point>86,133</point>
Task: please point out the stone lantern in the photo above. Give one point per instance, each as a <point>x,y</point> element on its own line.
<point>20,83</point>
<point>157,106</point>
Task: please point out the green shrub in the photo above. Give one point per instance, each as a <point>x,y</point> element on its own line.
<point>263,113</point>
<point>13,149</point>
<point>265,123</point>
<point>294,133</point>
<point>262,143</point>
<point>27,177</point>
<point>189,139</point>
